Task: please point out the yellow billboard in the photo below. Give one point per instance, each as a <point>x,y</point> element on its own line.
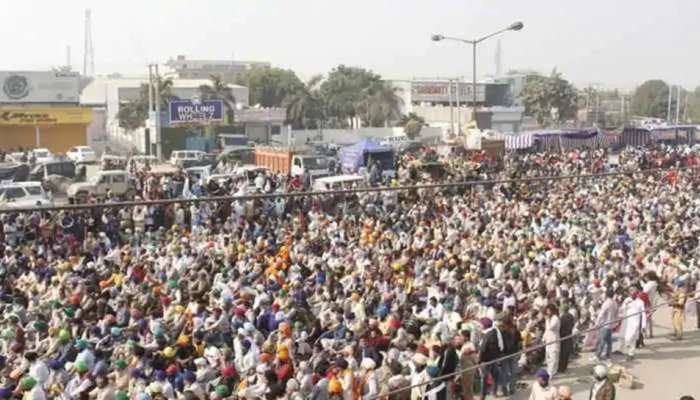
<point>45,116</point>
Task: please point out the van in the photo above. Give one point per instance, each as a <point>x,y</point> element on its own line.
<point>187,158</point>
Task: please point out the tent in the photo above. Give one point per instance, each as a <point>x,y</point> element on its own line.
<point>645,136</point>
<point>559,139</point>
<point>356,156</point>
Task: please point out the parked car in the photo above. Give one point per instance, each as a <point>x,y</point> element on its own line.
<point>41,171</point>
<point>239,154</point>
<point>111,162</point>
<point>14,172</point>
<point>82,154</point>
<point>23,195</point>
<point>117,182</point>
<point>187,158</point>
<point>42,156</point>
<point>17,157</point>
<point>339,182</point>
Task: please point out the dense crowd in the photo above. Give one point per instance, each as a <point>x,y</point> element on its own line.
<point>351,296</point>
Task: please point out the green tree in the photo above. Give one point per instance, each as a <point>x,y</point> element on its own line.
<point>412,125</point>
<point>219,90</point>
<point>345,91</point>
<point>269,87</point>
<point>651,99</point>
<point>550,100</point>
<point>133,114</point>
<point>305,105</point>
<point>380,105</point>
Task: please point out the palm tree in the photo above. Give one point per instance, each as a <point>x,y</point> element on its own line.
<point>219,90</point>
<point>304,105</point>
<point>380,105</point>
<point>132,115</point>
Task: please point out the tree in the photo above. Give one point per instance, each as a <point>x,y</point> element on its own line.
<point>693,114</point>
<point>412,125</point>
<point>219,90</point>
<point>269,87</point>
<point>550,100</point>
<point>651,99</point>
<point>344,91</point>
<point>305,105</point>
<point>380,105</point>
<point>133,115</point>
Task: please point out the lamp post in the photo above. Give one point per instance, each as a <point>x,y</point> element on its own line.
<point>516,26</point>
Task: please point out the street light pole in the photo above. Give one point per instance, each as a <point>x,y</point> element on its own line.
<point>516,26</point>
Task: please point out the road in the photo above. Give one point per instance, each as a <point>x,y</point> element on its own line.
<point>666,369</point>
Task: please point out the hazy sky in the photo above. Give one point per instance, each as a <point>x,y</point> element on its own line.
<point>611,42</point>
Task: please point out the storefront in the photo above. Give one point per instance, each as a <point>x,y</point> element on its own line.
<point>41,109</point>
<point>55,128</point>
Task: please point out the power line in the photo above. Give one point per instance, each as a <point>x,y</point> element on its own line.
<point>76,207</point>
<point>524,351</point>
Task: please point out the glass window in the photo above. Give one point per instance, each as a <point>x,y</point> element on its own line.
<point>34,190</point>
<point>118,178</point>
<point>15,193</point>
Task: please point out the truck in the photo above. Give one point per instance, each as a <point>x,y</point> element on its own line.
<point>288,161</point>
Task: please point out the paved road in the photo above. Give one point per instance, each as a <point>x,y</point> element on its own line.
<point>667,369</point>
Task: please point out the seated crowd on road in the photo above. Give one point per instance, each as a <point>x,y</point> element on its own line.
<point>351,296</point>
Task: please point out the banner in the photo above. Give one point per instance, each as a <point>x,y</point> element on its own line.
<point>439,92</point>
<point>191,112</point>
<point>45,116</point>
<point>39,87</point>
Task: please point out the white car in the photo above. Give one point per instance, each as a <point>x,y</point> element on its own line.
<point>23,195</point>
<point>82,154</point>
<point>339,182</point>
<point>186,158</point>
<point>42,156</point>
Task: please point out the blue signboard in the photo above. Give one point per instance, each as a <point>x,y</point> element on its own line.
<point>196,112</point>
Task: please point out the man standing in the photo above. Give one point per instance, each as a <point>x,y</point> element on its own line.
<point>634,322</point>
<point>551,339</point>
<point>602,388</point>
<point>678,300</point>
<point>491,349</point>
<point>606,316</point>
<point>566,328</point>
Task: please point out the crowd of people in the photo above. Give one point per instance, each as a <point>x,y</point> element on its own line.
<point>416,295</point>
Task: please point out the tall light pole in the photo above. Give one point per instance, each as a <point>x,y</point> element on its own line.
<point>516,26</point>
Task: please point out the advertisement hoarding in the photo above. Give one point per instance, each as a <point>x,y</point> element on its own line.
<point>45,116</point>
<point>17,87</point>
<point>196,112</point>
<point>438,92</point>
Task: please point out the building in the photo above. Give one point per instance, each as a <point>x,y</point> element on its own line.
<point>42,109</point>
<point>113,93</point>
<point>183,68</point>
<point>449,103</point>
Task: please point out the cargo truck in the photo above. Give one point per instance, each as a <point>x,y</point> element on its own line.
<point>287,161</point>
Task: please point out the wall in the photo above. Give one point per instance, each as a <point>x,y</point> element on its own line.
<point>57,138</point>
<point>348,136</point>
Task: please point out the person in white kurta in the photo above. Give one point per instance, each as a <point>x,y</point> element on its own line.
<point>635,320</point>
<point>551,336</point>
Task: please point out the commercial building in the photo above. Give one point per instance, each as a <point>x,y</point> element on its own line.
<point>183,68</point>
<point>41,109</point>
<point>448,103</point>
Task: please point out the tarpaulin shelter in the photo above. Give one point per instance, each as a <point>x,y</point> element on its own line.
<point>359,154</point>
<point>646,136</point>
<point>560,139</point>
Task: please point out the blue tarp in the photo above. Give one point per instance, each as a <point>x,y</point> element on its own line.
<point>353,157</point>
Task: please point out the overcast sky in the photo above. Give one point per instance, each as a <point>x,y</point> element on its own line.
<point>609,42</point>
